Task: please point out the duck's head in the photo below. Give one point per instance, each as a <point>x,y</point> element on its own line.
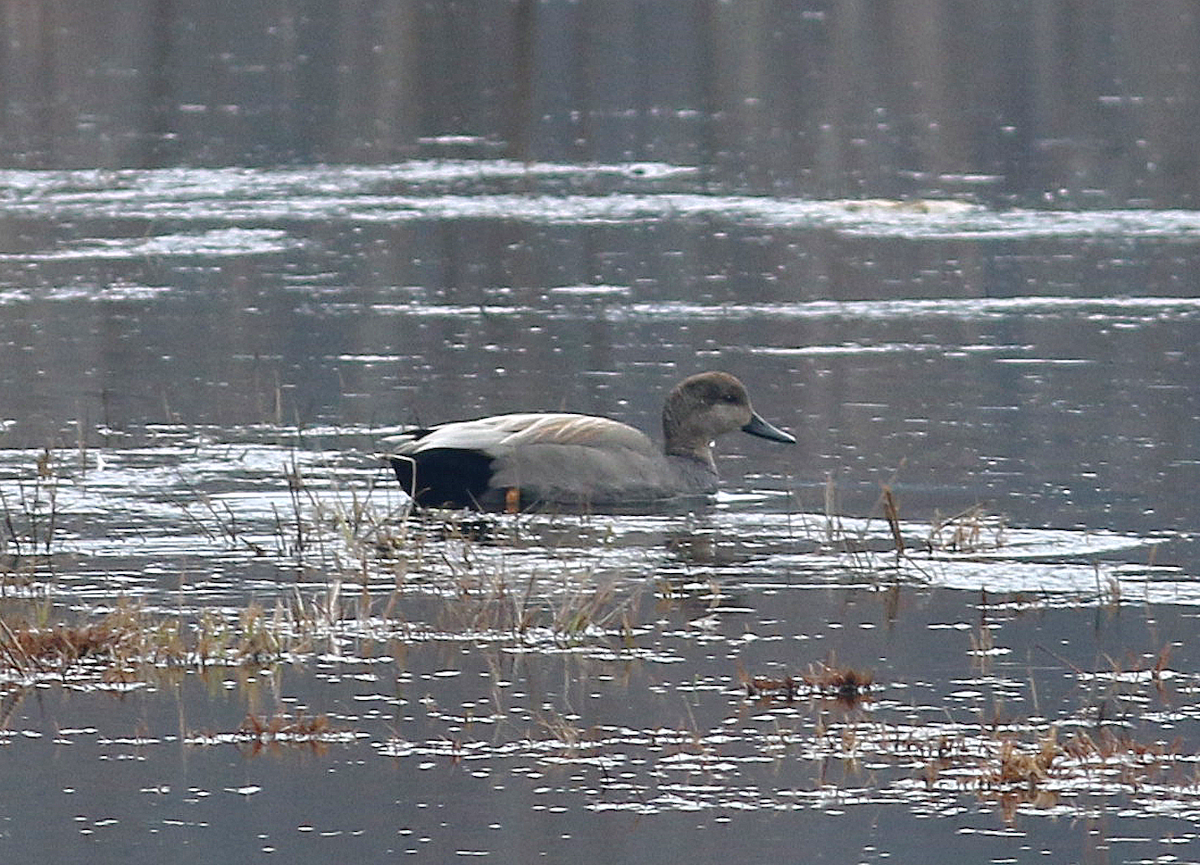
<point>707,405</point>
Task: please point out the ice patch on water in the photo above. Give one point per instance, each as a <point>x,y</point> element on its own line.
<point>209,244</point>
<point>905,309</point>
<point>428,189</point>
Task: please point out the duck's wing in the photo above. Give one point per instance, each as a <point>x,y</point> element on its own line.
<point>481,435</point>
<point>578,430</point>
<point>500,435</point>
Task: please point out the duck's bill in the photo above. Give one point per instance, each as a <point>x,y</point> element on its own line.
<point>762,429</point>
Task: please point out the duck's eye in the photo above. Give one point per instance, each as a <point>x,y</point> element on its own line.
<point>729,397</point>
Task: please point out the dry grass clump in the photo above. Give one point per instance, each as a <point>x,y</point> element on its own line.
<point>891,513</point>
<point>32,649</point>
<point>843,683</point>
<point>257,733</point>
<point>1011,765</point>
<point>972,530</point>
<point>1022,765</point>
<point>969,531</point>
<point>129,644</point>
<point>321,526</point>
<point>566,608</point>
<point>785,688</point>
<point>1024,775</point>
<point>30,522</point>
<point>823,679</point>
<point>282,729</point>
<point>564,729</point>
<point>1107,749</point>
<point>259,638</point>
<point>1033,772</point>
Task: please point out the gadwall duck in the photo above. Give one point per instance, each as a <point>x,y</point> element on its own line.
<point>518,460</point>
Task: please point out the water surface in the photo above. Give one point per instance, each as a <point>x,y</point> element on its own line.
<point>233,256</point>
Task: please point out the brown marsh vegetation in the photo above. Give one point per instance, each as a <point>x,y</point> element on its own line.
<point>824,679</point>
<point>376,573</point>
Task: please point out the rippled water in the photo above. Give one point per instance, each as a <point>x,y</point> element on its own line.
<point>584,671</point>
<point>198,359</point>
<point>405,637</point>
